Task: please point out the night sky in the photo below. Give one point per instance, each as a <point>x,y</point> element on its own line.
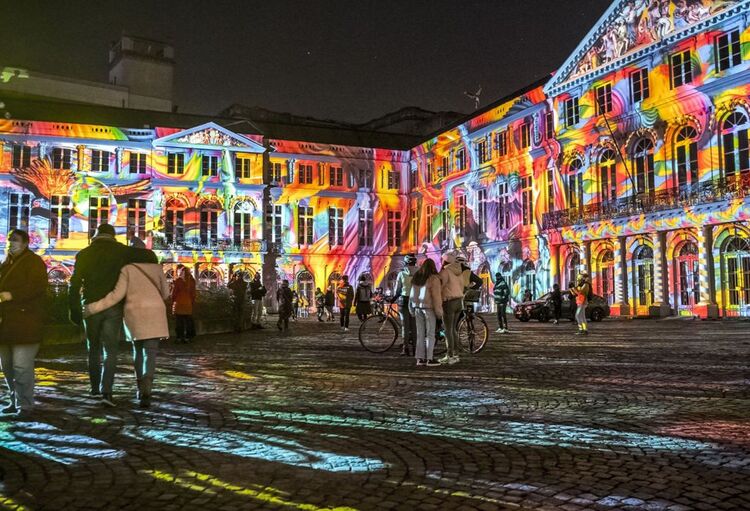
<point>349,60</point>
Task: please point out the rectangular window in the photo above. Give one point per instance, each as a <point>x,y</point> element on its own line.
<point>59,217</point>
<point>175,163</point>
<point>209,232</point>
<point>393,179</point>
<point>571,114</point>
<point>20,211</point>
<point>241,167</point>
<point>412,179</point>
<point>549,125</point>
<point>461,159</point>
<point>335,227</point>
<point>99,161</point>
<point>414,221</point>
<point>321,173</point>
<point>394,229</point>
<point>575,190</point>
<point>137,163</point>
<point>503,206</point>
<point>502,143</point>
<point>137,218</point>
<point>305,171</point>
<point>174,224</point>
<point>445,167</point>
<point>21,156</point>
<point>430,214</point>
<point>482,151</point>
<point>336,176</point>
<point>608,181</point>
<point>428,172</point>
<point>62,159</point>
<point>728,50</point>
<point>682,68</point>
<point>527,201</point>
<point>639,87</point>
<point>98,213</point>
<point>209,165</point>
<point>604,99</point>
<point>242,230</point>
<point>365,227</point>
<point>276,171</point>
<point>305,221</point>
<point>460,222</point>
<point>482,210</point>
<point>524,135</point>
<point>550,189</point>
<point>445,221</point>
<point>276,223</point>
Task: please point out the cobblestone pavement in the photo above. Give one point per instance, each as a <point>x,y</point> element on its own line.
<point>639,415</point>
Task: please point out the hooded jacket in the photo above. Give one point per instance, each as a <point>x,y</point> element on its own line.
<point>452,280</point>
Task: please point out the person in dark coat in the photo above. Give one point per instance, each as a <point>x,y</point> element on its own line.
<point>23,286</point>
<point>257,293</point>
<point>363,296</point>
<point>345,295</point>
<point>556,301</point>
<point>330,300</point>
<point>238,288</point>
<point>502,297</point>
<point>284,299</point>
<point>183,304</point>
<point>96,272</point>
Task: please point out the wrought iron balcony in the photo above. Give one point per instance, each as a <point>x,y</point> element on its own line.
<point>662,200</point>
<point>223,245</point>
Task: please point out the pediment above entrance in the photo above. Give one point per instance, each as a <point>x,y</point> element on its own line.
<point>209,136</point>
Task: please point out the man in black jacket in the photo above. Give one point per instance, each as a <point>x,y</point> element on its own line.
<point>257,293</point>
<point>97,269</point>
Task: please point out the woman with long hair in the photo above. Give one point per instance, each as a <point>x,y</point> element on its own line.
<point>426,306</point>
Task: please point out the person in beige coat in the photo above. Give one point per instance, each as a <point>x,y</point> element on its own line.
<point>452,279</point>
<point>145,289</point>
<point>426,306</point>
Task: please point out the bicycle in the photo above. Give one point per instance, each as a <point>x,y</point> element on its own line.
<point>379,332</point>
<point>472,330</point>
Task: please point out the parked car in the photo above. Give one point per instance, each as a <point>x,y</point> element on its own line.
<point>542,309</point>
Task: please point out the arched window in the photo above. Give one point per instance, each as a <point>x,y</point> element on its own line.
<point>735,144</point>
<point>528,270</point>
<point>242,228</point>
<point>643,163</point>
<point>209,278</point>
<point>174,221</point>
<point>607,176</point>
<point>644,271</point>
<point>306,286</point>
<point>573,267</point>
<point>333,280</point>
<point>606,280</point>
<point>737,275</point>
<point>575,184</point>
<point>209,220</point>
<point>686,156</point>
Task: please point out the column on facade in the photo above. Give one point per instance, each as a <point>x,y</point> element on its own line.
<point>118,161</point>
<point>81,153</point>
<point>660,306</point>
<point>621,306</point>
<point>707,308</point>
<point>587,258</point>
<point>554,254</point>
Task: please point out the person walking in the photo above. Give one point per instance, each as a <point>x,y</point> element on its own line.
<point>581,290</point>
<point>320,303</point>
<point>295,305</point>
<point>183,303</point>
<point>403,291</point>
<point>284,299</point>
<point>329,302</point>
<point>426,306</point>
<point>257,293</point>
<point>97,268</point>
<point>345,295</point>
<point>23,284</point>
<point>555,299</point>
<point>364,297</point>
<point>502,296</point>
<point>238,289</point>
<point>452,292</point>
<point>144,288</point>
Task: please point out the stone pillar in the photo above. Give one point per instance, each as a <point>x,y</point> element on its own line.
<point>587,258</point>
<point>660,307</point>
<point>707,308</point>
<point>621,307</point>
<point>554,255</point>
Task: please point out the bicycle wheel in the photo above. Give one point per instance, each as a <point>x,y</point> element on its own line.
<point>472,333</point>
<point>378,333</point>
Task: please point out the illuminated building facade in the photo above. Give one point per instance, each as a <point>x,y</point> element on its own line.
<point>632,162</point>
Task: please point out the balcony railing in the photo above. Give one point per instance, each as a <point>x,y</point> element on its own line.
<point>223,245</point>
<point>662,200</point>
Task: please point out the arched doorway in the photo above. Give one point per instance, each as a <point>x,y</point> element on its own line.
<point>306,287</point>
<point>735,278</point>
<point>334,279</point>
<point>605,283</point>
<point>643,279</point>
<point>572,268</point>
<point>686,278</point>
<point>528,277</point>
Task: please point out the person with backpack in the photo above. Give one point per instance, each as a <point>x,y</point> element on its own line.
<point>403,290</point>
<point>582,292</point>
<point>364,297</point>
<point>502,296</point>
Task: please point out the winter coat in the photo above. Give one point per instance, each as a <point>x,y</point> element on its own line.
<point>257,290</point>
<point>145,314</point>
<point>284,299</point>
<point>239,289</point>
<point>25,278</point>
<point>363,293</point>
<point>451,277</point>
<point>501,293</point>
<point>403,282</point>
<point>97,269</point>
<point>345,295</point>
<point>329,299</point>
<point>427,297</point>
<point>183,296</point>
